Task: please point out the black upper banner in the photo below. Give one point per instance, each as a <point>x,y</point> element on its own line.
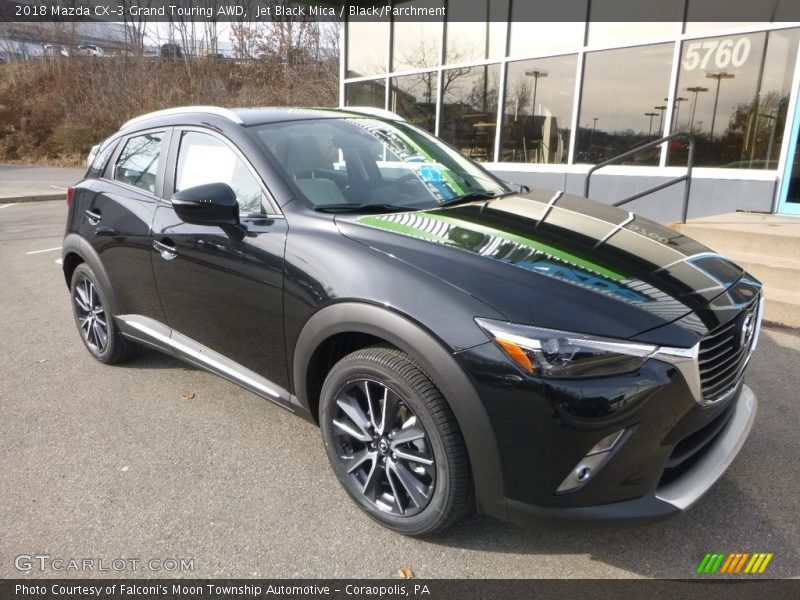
<point>409,10</point>
<point>395,589</point>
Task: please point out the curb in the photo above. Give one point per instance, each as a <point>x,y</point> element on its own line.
<point>34,198</point>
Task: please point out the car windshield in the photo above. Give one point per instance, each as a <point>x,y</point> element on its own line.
<point>363,164</point>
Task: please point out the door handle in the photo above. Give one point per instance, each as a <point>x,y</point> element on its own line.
<point>167,251</point>
<point>94,216</point>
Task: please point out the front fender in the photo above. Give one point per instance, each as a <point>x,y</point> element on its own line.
<point>437,361</point>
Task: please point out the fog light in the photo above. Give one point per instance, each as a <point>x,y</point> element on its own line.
<point>590,464</point>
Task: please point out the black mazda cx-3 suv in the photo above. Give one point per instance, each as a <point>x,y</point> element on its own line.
<point>528,354</point>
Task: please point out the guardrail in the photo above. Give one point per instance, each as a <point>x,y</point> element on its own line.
<point>687,177</point>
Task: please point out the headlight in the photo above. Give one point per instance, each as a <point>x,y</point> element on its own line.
<point>559,354</point>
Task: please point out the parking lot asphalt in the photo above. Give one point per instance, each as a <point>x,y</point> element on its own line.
<point>26,182</point>
<point>104,463</point>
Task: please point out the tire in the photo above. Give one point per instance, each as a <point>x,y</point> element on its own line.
<point>94,320</point>
<point>417,486</point>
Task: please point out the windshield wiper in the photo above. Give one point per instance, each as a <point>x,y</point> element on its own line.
<point>469,197</point>
<point>363,208</point>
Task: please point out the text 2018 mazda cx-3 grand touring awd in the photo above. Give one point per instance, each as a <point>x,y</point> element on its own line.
<point>459,344</point>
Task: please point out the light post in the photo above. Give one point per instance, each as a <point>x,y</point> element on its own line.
<point>536,74</point>
<point>661,120</point>
<point>696,89</point>
<point>678,101</point>
<point>594,126</point>
<point>651,115</point>
<point>719,77</point>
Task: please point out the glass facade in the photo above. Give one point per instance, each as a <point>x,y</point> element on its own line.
<point>417,44</point>
<point>469,109</point>
<point>518,91</point>
<point>537,120</point>
<point>413,97</point>
<point>622,102</point>
<point>738,89</point>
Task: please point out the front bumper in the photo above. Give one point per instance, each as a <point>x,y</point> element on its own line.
<point>677,495</point>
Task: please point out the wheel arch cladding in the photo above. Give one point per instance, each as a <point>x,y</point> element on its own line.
<point>381,325</point>
<point>77,250</point>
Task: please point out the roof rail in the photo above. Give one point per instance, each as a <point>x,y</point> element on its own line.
<point>375,112</point>
<point>182,110</point>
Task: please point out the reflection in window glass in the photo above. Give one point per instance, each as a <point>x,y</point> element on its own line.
<point>614,20</point>
<point>609,34</point>
<point>469,109</point>
<point>538,110</point>
<point>367,48</point>
<point>366,93</point>
<point>528,39</point>
<point>737,92</point>
<point>469,40</point>
<point>413,97</point>
<point>622,103</point>
<point>137,164</point>
<point>205,159</point>
<point>417,44</point>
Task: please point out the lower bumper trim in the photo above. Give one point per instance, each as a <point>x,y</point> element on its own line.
<point>668,500</point>
<point>687,489</point>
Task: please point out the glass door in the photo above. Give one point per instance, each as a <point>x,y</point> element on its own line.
<point>789,202</point>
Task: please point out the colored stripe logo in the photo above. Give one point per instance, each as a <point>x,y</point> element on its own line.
<point>736,563</point>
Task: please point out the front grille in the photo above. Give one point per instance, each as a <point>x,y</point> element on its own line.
<point>724,353</point>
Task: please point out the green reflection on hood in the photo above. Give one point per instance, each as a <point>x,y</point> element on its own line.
<point>459,233</point>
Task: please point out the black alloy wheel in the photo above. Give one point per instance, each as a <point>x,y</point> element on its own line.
<point>94,319</point>
<point>393,442</point>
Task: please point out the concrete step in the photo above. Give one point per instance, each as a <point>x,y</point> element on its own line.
<point>782,307</point>
<point>768,246</point>
<point>750,233</point>
<point>772,271</point>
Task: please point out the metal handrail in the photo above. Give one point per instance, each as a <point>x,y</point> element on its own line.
<point>686,178</point>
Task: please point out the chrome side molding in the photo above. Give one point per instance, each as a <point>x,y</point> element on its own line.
<point>687,361</point>
<point>157,335</point>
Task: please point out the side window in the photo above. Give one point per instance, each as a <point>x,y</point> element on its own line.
<point>101,159</point>
<point>203,158</point>
<point>137,164</point>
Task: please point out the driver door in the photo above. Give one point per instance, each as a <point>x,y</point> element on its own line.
<point>225,294</point>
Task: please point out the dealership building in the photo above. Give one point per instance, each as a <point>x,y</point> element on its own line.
<point>540,102</point>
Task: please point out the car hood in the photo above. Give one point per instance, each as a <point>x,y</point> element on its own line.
<point>558,261</point>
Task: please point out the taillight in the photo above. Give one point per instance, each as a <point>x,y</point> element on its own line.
<point>70,195</point>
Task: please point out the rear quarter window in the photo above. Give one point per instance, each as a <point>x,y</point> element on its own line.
<point>101,159</point>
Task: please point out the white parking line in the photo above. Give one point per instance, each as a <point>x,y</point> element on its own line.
<point>59,261</point>
<point>58,188</point>
<point>45,250</point>
<point>7,205</point>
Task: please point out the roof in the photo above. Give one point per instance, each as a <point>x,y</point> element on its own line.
<point>262,115</point>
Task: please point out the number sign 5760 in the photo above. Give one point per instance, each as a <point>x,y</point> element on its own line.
<point>725,52</point>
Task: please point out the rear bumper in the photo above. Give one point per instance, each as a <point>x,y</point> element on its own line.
<point>670,499</point>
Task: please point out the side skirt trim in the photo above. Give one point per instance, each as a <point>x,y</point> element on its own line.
<point>157,335</point>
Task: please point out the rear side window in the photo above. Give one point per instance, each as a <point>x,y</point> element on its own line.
<point>137,164</point>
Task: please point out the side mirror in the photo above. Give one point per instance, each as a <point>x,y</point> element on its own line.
<point>210,204</point>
